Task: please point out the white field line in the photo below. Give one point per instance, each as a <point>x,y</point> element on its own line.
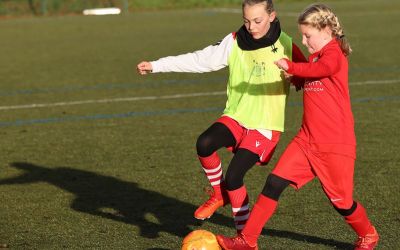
<point>127,99</point>
<point>144,98</point>
<point>375,82</point>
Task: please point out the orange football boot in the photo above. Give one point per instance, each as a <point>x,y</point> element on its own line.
<point>207,209</point>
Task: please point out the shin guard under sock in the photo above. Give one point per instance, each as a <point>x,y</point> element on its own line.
<point>240,206</point>
<point>262,211</point>
<point>359,221</point>
<point>213,170</point>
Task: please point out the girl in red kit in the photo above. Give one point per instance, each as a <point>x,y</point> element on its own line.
<point>325,146</point>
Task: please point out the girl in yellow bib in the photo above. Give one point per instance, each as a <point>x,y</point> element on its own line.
<point>254,115</point>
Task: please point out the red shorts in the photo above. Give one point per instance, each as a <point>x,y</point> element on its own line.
<point>300,165</point>
<point>251,140</point>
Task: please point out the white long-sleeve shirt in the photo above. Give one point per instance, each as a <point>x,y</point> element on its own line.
<point>211,58</point>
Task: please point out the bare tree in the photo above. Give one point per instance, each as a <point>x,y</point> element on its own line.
<point>32,7</point>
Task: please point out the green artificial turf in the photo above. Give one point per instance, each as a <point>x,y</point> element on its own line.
<point>89,170</point>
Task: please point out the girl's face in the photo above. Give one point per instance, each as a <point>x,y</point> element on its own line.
<point>257,20</point>
<point>315,39</point>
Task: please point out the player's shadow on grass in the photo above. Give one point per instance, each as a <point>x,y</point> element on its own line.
<point>118,200</point>
<point>123,201</point>
<point>307,238</point>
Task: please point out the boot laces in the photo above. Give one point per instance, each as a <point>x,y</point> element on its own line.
<point>239,240</point>
<point>363,242</point>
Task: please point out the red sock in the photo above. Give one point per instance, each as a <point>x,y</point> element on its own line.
<point>358,220</point>
<point>240,206</point>
<point>260,214</point>
<point>213,170</point>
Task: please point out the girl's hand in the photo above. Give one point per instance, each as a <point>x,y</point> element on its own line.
<point>287,76</point>
<point>282,64</point>
<point>144,68</point>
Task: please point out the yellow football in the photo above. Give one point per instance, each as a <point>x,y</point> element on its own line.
<point>200,240</point>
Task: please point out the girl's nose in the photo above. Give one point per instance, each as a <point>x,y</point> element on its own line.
<point>304,41</point>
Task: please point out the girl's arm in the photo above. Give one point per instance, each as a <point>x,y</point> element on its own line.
<point>211,58</point>
<point>326,65</point>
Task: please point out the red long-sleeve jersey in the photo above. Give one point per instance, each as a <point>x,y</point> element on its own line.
<point>328,124</point>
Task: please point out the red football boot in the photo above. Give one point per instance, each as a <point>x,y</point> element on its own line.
<point>235,243</point>
<point>368,242</point>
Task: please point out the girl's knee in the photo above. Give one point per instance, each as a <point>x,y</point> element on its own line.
<point>203,145</point>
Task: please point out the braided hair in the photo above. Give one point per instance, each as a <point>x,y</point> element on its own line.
<point>320,16</point>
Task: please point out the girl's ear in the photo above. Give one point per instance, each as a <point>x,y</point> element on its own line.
<point>272,16</point>
<point>327,32</point>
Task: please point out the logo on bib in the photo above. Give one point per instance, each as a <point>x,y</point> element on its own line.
<point>259,68</point>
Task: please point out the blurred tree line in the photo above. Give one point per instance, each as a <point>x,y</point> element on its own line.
<point>43,7</point>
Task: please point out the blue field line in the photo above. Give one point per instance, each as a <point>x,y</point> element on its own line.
<point>105,116</point>
<point>161,112</point>
<point>145,84</point>
<point>376,99</point>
